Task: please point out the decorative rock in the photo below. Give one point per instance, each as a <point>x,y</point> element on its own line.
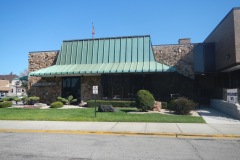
<point>106,108</point>
<point>157,106</point>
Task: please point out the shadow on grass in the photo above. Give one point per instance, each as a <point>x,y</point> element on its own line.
<point>130,110</point>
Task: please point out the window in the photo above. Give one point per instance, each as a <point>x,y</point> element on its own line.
<point>19,90</point>
<point>71,86</point>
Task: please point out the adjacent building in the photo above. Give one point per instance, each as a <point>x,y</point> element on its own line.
<point>120,66</point>
<point>11,85</point>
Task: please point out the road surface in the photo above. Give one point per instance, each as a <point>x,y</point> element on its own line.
<point>45,146</point>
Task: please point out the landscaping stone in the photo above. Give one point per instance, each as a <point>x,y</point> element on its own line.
<point>157,106</point>
<point>40,104</point>
<point>106,108</point>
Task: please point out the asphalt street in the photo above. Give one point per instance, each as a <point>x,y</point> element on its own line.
<point>39,146</point>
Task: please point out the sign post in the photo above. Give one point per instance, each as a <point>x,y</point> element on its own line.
<point>95,91</point>
<point>232,96</point>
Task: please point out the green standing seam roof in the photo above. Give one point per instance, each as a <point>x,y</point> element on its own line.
<point>132,54</point>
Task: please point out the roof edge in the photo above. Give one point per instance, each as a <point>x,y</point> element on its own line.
<point>107,38</point>
<point>44,51</point>
<point>231,11</point>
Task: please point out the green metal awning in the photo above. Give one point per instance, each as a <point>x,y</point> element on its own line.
<point>83,69</point>
<point>105,55</point>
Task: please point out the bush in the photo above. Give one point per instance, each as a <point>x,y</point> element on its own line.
<point>170,105</point>
<point>183,106</point>
<point>5,104</point>
<point>16,99</point>
<point>24,100</point>
<point>68,101</point>
<point>164,105</point>
<point>56,105</point>
<point>91,103</point>
<point>32,100</point>
<point>144,100</point>
<point>6,99</point>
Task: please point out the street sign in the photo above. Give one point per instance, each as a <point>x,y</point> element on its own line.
<point>95,89</point>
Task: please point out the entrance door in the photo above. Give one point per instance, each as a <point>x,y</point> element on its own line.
<point>71,86</point>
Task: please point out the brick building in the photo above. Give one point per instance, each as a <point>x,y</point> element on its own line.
<point>120,66</point>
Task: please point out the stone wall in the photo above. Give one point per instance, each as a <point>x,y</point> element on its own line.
<point>86,87</point>
<point>39,60</point>
<point>46,88</point>
<point>180,56</point>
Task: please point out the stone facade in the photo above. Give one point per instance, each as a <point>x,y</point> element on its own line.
<point>180,56</point>
<point>87,82</point>
<point>46,88</point>
<point>40,60</point>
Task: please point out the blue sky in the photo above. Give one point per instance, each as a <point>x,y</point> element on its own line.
<point>39,25</point>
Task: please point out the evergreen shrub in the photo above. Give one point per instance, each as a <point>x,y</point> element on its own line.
<point>5,104</point>
<point>144,100</point>
<point>183,106</point>
<point>56,105</point>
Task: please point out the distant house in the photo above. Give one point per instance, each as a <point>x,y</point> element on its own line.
<point>5,87</point>
<point>15,85</point>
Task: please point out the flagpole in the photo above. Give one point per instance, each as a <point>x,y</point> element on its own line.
<point>93,31</point>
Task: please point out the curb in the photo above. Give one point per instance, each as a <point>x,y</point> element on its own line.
<point>172,135</point>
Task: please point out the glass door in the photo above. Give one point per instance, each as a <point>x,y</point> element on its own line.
<point>71,86</point>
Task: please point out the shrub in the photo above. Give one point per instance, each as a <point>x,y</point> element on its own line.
<point>170,105</point>
<point>32,100</point>
<point>68,101</point>
<point>56,105</point>
<point>24,100</point>
<point>144,100</point>
<point>183,106</point>
<point>164,105</point>
<point>5,104</point>
<point>6,99</point>
<point>91,103</point>
<point>16,99</point>
<point>63,100</point>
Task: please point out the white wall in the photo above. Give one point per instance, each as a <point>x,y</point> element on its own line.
<point>226,107</point>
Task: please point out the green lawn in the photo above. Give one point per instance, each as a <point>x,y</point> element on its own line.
<point>88,115</point>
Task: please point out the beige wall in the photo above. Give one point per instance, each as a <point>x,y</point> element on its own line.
<point>237,33</point>
<point>224,36</point>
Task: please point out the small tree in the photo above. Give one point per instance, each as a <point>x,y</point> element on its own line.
<point>144,100</point>
<point>16,99</point>
<point>32,100</point>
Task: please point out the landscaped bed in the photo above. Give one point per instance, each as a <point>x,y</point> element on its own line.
<point>87,114</point>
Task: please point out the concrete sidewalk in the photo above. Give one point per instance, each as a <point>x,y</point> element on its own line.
<point>161,129</point>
